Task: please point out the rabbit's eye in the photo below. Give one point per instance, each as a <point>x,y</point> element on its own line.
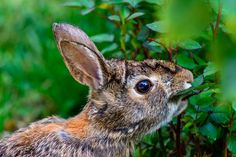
<point>143,86</point>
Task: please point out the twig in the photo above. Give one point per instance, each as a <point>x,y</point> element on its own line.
<point>216,29</point>
<point>178,142</point>
<point>198,150</point>
<point>212,29</point>
<point>154,40</point>
<point>169,50</point>
<point>225,149</point>
<point>146,53</point>
<point>231,123</point>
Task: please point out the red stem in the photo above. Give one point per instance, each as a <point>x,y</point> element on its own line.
<point>178,142</point>
<point>169,50</point>
<point>216,29</point>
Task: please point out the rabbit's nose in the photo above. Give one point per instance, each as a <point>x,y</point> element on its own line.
<point>185,75</point>
<point>189,76</point>
<point>55,26</point>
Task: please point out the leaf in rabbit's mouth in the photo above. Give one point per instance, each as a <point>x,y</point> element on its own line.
<point>185,94</point>
<point>181,96</point>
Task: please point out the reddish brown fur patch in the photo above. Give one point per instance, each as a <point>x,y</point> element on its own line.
<point>78,126</point>
<point>36,132</point>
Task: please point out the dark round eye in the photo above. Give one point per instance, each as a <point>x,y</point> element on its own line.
<point>143,86</point>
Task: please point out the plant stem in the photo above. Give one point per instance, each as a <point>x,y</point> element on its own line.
<point>225,149</point>
<point>216,29</point>
<point>178,142</point>
<point>231,123</point>
<point>146,53</point>
<point>170,51</point>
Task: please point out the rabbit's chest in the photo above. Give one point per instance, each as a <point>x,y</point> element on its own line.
<point>96,147</point>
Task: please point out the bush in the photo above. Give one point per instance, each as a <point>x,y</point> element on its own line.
<point>199,35</point>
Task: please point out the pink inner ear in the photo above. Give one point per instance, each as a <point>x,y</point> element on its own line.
<point>82,63</point>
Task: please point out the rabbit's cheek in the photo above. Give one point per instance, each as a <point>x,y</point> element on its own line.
<point>157,102</point>
<point>177,86</point>
<point>136,96</point>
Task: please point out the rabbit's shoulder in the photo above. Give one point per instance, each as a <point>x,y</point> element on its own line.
<point>24,140</point>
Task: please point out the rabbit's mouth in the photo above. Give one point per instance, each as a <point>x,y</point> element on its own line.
<point>179,101</point>
<point>177,104</point>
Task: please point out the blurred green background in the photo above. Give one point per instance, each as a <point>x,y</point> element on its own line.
<point>197,34</point>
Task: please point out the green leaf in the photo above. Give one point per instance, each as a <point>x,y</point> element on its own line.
<point>187,125</point>
<point>234,105</point>
<point>103,38</point>
<point>153,46</point>
<point>133,3</point>
<point>135,15</point>
<point>189,45</point>
<point>198,81</point>
<point>137,152</point>
<point>87,5</point>
<point>158,2</point>
<point>72,4</point>
<point>228,6</point>
<point>118,54</point>
<point>157,26</point>
<point>114,18</point>
<point>185,61</point>
<point>210,69</point>
<point>234,125</point>
<point>198,60</point>
<point>232,144</point>
<point>210,131</point>
<point>86,11</point>
<point>124,13</point>
<point>201,117</point>
<point>220,114</point>
<point>204,100</point>
<point>143,34</point>
<point>114,2</point>
<point>110,48</point>
<point>82,3</point>
<point>148,139</point>
<point>140,57</point>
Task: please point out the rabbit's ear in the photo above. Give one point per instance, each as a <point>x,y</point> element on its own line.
<point>81,56</point>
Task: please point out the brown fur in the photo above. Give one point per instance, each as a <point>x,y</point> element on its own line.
<point>115,116</point>
<point>78,126</point>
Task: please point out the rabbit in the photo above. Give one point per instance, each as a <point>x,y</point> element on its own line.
<point>127,100</point>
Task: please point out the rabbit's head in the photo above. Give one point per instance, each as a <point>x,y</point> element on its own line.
<point>127,98</point>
